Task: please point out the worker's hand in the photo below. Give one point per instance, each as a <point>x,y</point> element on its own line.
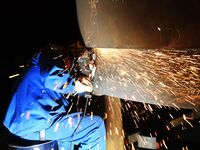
<point>83,85</point>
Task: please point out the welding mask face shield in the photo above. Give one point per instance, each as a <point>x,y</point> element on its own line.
<point>86,64</point>
<point>84,69</point>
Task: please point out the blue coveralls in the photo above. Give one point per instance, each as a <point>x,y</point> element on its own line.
<point>37,103</point>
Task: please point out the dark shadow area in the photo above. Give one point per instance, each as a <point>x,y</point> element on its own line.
<point>162,123</point>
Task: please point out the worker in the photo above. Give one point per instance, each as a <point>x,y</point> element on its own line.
<point>39,107</point>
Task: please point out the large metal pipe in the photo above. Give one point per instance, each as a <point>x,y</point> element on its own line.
<point>139,23</point>
<point>142,48</point>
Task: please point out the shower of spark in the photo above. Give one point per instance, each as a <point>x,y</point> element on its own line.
<point>156,76</point>
<point>12,76</point>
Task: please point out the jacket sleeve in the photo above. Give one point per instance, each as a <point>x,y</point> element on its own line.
<point>55,75</point>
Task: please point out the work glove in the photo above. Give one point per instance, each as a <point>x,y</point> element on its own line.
<point>83,85</point>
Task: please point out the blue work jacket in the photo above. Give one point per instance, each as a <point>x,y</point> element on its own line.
<point>38,97</point>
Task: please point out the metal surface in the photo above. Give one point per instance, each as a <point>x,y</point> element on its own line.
<point>139,23</point>
<point>150,56</point>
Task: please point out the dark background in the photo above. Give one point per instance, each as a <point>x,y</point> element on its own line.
<point>26,26</point>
